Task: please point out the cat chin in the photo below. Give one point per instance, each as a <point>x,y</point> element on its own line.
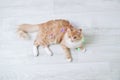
<point>71,44</point>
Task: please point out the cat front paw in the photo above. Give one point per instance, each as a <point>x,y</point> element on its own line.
<point>69,59</point>
<point>83,50</point>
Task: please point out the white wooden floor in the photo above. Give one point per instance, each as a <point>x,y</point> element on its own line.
<point>100,20</point>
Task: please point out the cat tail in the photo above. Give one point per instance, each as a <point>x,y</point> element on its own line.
<point>24,29</point>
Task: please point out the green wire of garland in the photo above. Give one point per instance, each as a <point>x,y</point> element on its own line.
<point>83,42</point>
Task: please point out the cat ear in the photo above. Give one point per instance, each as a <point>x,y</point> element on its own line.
<point>79,30</point>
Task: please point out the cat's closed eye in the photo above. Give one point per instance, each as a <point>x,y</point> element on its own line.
<point>74,37</point>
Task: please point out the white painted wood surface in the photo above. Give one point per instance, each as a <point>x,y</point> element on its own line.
<point>100,20</point>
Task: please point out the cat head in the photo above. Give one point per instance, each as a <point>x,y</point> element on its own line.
<point>74,34</point>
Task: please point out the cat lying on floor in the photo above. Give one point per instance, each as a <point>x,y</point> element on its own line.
<point>54,32</point>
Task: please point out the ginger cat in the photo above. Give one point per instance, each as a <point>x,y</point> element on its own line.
<point>54,32</point>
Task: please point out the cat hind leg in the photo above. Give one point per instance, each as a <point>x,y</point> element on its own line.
<point>35,49</point>
<point>49,52</point>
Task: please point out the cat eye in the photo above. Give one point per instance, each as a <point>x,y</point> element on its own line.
<point>74,37</point>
